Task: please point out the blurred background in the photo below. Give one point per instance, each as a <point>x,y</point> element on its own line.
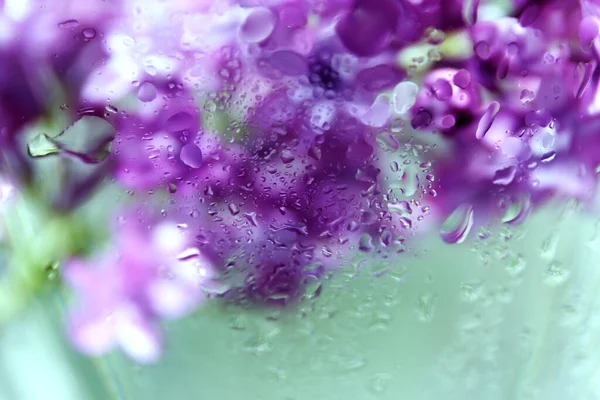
<point>511,316</point>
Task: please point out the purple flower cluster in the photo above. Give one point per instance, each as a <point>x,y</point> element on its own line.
<point>516,115</point>
<point>272,140</point>
<point>150,274</point>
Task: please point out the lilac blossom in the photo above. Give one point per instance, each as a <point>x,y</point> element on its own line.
<point>278,138</point>
<point>521,149</point>
<point>150,274</point>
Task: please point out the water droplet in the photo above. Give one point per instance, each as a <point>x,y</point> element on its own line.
<point>89,139</point>
<point>516,265</point>
<point>556,274</point>
<point>462,78</point>
<point>484,233</point>
<point>527,95</point>
<point>365,243</point>
<point>486,121</point>
<point>404,96</point>
<point>69,24</point>
<point>279,374</point>
<point>238,323</point>
<point>233,209</point>
<point>442,89</point>
<point>153,154</point>
<point>517,211</point>
<point>405,222</point>
<point>326,251</point>
<point>188,254</point>
<point>313,289</point>
<point>548,157</point>
<point>366,175</point>
<point>471,292</point>
<point>550,246</point>
<point>89,33</point>
<point>426,307</point>
<point>401,207</point>
<point>448,121</point>
<point>41,146</point>
<point>287,156</point>
<point>538,117</point>
<point>210,106</point>
<point>505,176</point>
<point>379,383</point>
<point>388,142</point>
<point>258,344</point>
<point>368,217</point>
<point>482,49</point>
<point>129,41</point>
<point>52,271</point>
<point>251,217</point>
<point>191,155</point>
<point>258,25</point>
<point>457,226</point>
<point>396,125</point>
<point>386,238</point>
<point>150,69</point>
<point>585,73</point>
<point>147,92</point>
<point>421,120</point>
<point>315,153</point>
<point>408,183</point>
<point>289,62</point>
<point>179,122</point>
<point>353,226</point>
<point>435,36</point>
<point>351,363</point>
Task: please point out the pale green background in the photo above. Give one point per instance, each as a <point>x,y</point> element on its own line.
<point>513,318</point>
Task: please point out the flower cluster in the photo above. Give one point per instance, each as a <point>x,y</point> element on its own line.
<point>149,274</point>
<point>269,141</point>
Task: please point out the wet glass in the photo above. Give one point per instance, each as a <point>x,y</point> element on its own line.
<point>299,199</point>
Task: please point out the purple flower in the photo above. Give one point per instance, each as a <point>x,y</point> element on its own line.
<point>369,27</point>
<point>523,149</point>
<point>150,151</point>
<point>106,318</point>
<point>279,138</point>
<point>121,294</point>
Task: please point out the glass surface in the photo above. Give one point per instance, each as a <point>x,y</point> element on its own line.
<point>512,316</point>
<point>299,200</point>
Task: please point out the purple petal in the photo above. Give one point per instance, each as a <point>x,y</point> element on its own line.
<point>91,335</point>
<point>138,337</point>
